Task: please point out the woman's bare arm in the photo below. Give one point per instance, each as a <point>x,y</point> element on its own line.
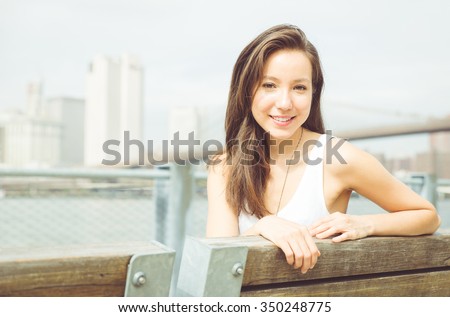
<point>409,213</point>
<point>222,220</point>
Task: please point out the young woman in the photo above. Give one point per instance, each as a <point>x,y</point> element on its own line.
<point>281,177</point>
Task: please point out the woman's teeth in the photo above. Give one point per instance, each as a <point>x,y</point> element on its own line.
<point>282,119</point>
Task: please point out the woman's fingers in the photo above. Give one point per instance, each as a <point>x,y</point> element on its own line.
<point>334,224</point>
<point>305,251</point>
<point>332,229</point>
<point>349,235</point>
<point>313,249</point>
<point>343,237</point>
<point>306,259</point>
<point>323,224</point>
<point>298,253</point>
<point>318,226</point>
<point>348,226</point>
<point>309,249</point>
<point>293,252</point>
<point>287,250</point>
<point>320,229</point>
<point>294,240</point>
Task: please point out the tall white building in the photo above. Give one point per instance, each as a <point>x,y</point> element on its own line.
<point>34,99</point>
<point>29,142</point>
<point>50,132</point>
<point>69,112</point>
<point>114,104</point>
<point>30,139</point>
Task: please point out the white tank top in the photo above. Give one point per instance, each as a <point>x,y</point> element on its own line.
<point>307,205</point>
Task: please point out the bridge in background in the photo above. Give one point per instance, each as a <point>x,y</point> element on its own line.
<point>429,126</point>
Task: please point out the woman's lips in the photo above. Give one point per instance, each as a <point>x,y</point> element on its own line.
<point>282,120</point>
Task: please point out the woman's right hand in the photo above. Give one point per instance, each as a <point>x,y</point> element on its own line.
<point>293,239</point>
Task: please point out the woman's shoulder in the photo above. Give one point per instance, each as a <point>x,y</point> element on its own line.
<point>344,157</point>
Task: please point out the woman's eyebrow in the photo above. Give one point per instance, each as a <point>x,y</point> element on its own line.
<point>298,80</point>
<point>302,80</point>
<point>271,78</point>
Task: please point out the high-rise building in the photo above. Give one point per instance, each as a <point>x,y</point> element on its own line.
<point>34,99</point>
<point>27,141</point>
<point>440,153</point>
<point>114,104</point>
<point>49,133</point>
<point>69,112</point>
<point>440,142</point>
<point>31,138</point>
<point>423,162</point>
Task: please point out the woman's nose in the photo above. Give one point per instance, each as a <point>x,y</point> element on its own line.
<point>284,101</point>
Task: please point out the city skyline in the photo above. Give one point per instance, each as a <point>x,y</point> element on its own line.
<point>212,129</point>
<point>64,146</point>
<point>377,56</point>
<point>384,62</point>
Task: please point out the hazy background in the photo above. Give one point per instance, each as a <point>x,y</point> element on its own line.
<point>384,61</point>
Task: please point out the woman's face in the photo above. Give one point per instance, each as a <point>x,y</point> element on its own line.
<point>282,100</point>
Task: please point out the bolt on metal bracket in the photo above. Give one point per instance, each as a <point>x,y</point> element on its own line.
<point>150,274</point>
<point>238,269</point>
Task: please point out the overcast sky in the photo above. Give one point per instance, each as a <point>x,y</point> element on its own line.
<point>389,57</point>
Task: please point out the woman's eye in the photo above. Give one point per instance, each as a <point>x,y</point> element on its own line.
<point>300,87</point>
<point>268,85</point>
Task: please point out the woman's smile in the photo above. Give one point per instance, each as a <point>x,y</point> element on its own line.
<point>282,100</point>
<point>282,121</point>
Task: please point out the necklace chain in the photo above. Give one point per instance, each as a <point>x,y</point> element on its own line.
<point>287,171</point>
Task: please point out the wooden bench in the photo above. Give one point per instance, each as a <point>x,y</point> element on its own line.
<point>130,269</point>
<point>374,266</point>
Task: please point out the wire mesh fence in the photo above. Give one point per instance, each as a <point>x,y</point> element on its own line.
<point>50,211</point>
<point>59,210</point>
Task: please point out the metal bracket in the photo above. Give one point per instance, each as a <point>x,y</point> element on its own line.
<point>211,270</point>
<point>150,274</point>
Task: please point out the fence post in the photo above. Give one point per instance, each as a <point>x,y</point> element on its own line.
<point>161,203</point>
<point>180,196</point>
<point>431,188</point>
<point>172,200</point>
<point>426,186</point>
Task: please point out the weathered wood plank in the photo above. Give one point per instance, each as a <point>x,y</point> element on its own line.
<point>415,285</point>
<point>266,263</point>
<point>93,270</point>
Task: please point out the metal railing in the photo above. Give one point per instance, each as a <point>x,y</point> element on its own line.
<point>173,188</point>
<point>174,182</point>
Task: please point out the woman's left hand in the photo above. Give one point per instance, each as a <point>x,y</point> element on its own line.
<point>347,227</point>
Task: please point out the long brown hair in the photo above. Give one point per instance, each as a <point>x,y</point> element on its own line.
<point>247,153</point>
